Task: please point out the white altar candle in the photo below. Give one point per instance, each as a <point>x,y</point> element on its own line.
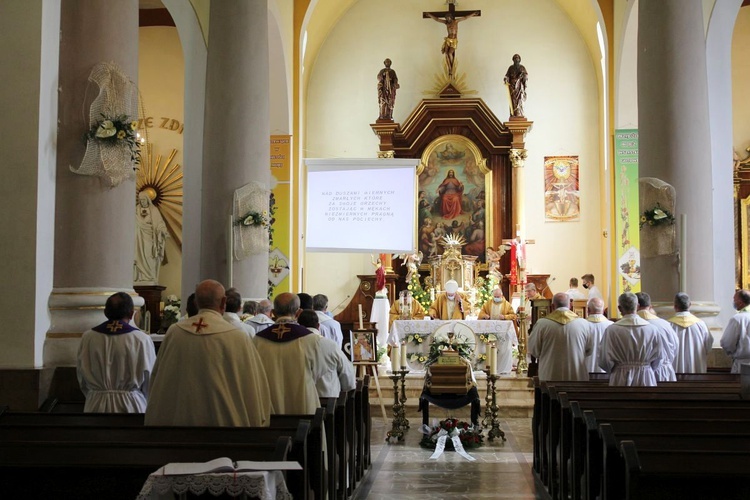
<point>432,294</point>
<point>493,351</point>
<point>395,358</point>
<point>361,327</point>
<point>404,364</point>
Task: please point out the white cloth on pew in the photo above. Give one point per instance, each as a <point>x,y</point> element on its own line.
<point>597,324</point>
<point>630,351</point>
<point>694,343</point>
<point>736,338</point>
<point>208,373</point>
<point>267,485</point>
<point>561,341</point>
<point>665,371</point>
<point>114,370</point>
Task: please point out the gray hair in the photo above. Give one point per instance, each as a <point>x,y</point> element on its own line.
<point>644,299</point>
<point>682,302</point>
<point>627,302</point>
<point>595,306</point>
<point>320,302</point>
<point>286,304</point>
<point>561,300</point>
<point>265,306</point>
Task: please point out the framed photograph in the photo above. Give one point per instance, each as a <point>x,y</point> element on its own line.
<point>363,346</point>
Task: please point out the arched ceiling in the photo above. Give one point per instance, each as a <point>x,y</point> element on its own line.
<point>322,16</point>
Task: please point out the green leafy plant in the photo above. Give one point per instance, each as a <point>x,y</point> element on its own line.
<point>470,436</point>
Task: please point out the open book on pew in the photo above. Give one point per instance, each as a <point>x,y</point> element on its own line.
<point>224,464</point>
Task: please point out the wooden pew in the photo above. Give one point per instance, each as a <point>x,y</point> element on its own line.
<point>351,442</point>
<point>314,456</point>
<point>700,474</point>
<point>699,437</point>
<point>329,404</point>
<point>342,434</point>
<point>359,422</point>
<point>67,462</point>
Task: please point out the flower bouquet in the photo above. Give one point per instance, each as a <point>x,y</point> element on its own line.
<point>171,314</point>
<point>469,435</point>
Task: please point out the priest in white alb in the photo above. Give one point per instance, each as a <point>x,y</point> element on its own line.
<point>561,341</point>
<point>295,359</point>
<point>665,371</point>
<point>598,323</point>
<point>694,339</point>
<point>631,349</point>
<point>449,304</point>
<point>329,327</point>
<point>208,373</point>
<point>736,337</point>
<point>115,361</point>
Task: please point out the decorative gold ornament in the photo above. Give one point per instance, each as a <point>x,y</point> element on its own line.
<point>162,181</point>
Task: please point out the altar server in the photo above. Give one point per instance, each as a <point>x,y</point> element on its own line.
<point>208,372</point>
<point>561,341</point>
<point>296,360</point>
<point>498,308</point>
<point>631,349</point>
<point>115,361</point>
<point>449,304</point>
<point>736,338</point>
<point>598,323</point>
<point>329,327</point>
<point>665,371</point>
<point>694,339</point>
<point>406,307</point>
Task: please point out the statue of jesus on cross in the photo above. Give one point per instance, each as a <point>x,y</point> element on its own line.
<point>450,19</point>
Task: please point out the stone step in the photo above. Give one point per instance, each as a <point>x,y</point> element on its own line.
<point>515,396</point>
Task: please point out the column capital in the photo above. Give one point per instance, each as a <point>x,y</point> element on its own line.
<point>518,129</point>
<point>518,157</point>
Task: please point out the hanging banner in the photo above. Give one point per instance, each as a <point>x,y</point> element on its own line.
<point>626,219</point>
<point>561,195</point>
<point>280,247</point>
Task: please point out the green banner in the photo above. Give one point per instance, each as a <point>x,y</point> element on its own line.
<point>628,263</point>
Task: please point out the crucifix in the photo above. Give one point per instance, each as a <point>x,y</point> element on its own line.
<point>518,258</point>
<point>450,19</point>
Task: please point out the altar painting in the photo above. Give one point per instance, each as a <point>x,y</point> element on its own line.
<point>561,194</point>
<point>454,186</point>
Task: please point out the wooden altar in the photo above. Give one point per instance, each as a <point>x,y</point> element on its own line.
<point>363,296</point>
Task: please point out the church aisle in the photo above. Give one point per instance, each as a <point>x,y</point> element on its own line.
<point>404,470</point>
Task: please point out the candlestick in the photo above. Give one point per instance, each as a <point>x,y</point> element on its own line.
<point>361,327</point>
<point>493,352</point>
<point>395,359</point>
<point>404,363</point>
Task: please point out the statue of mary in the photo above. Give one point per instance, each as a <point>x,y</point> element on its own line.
<point>150,241</point>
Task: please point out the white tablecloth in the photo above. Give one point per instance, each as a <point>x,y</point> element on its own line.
<point>381,306</point>
<point>483,331</point>
<point>266,485</point>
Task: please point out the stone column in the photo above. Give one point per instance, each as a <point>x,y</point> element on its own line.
<point>94,224</point>
<point>674,135</point>
<point>675,147</point>
<point>236,135</point>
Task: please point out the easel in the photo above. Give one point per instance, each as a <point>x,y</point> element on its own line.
<point>371,367</point>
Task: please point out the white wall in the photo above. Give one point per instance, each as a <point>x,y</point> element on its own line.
<point>563,103</point>
<point>161,80</point>
<point>740,79</point>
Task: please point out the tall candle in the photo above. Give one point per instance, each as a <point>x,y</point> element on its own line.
<point>404,364</point>
<point>432,294</point>
<point>494,360</point>
<point>361,327</point>
<point>395,358</point>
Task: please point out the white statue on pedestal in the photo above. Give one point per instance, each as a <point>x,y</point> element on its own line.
<point>150,241</point>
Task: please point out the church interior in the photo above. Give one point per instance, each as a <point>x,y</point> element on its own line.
<point>624,153</point>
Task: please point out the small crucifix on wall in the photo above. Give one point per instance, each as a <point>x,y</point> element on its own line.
<point>450,19</point>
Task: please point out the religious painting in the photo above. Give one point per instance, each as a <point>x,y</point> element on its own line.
<point>363,346</point>
<point>454,187</point>
<point>561,195</point>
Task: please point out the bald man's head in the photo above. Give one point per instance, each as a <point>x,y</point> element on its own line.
<point>286,304</point>
<point>209,294</point>
<point>561,299</point>
<point>596,306</point>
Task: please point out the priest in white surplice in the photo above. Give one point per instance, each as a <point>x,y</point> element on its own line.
<point>665,371</point>
<point>631,348</point>
<point>115,361</point>
<point>329,385</point>
<point>736,338</point>
<point>262,320</point>
<point>232,312</point>
<point>295,359</point>
<point>329,327</point>
<point>694,339</point>
<point>561,341</point>
<point>598,323</point>
<point>208,373</point>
